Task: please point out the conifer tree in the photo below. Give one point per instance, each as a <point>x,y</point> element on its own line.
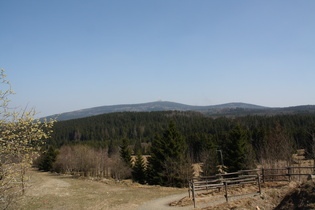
<point>168,158</point>
<point>125,152</point>
<point>210,164</point>
<point>238,153</point>
<point>139,172</point>
<point>48,159</point>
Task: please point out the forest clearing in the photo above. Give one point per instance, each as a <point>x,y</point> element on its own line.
<point>52,191</point>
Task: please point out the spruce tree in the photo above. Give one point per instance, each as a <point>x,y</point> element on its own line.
<point>168,159</point>
<point>48,159</point>
<point>139,172</point>
<point>211,163</point>
<point>238,153</point>
<point>125,152</point>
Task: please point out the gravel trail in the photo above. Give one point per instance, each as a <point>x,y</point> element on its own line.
<point>163,203</point>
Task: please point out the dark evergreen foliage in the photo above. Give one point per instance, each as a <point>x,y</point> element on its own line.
<point>139,170</point>
<point>125,153</point>
<point>168,158</point>
<point>237,153</point>
<point>210,163</point>
<point>197,131</point>
<point>48,159</point>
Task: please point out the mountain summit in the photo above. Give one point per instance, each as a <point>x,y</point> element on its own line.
<point>227,110</point>
<point>153,106</point>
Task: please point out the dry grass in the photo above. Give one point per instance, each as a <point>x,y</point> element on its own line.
<point>272,194</point>
<point>51,191</point>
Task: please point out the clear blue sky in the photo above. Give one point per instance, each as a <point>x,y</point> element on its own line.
<point>65,55</point>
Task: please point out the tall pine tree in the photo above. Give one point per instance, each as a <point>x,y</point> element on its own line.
<point>139,171</point>
<point>48,159</point>
<point>125,152</point>
<point>210,163</point>
<point>238,154</point>
<point>168,159</point>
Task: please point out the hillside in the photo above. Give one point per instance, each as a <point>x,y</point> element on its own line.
<point>143,107</point>
<point>228,109</point>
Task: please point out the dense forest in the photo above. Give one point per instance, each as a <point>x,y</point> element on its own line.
<point>197,129</point>
<point>193,137</point>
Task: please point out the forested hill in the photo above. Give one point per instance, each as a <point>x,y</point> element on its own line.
<point>196,128</point>
<point>229,109</point>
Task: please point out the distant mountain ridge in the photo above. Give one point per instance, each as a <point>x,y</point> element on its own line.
<point>228,109</point>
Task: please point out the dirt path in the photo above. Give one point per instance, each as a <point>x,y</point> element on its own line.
<point>163,203</point>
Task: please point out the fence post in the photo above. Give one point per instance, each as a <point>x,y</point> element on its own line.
<point>263,174</point>
<point>189,187</point>
<point>259,186</point>
<point>289,173</point>
<point>193,193</point>
<point>221,178</point>
<point>226,191</point>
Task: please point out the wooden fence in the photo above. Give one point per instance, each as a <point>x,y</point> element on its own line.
<point>241,178</point>
<point>286,174</point>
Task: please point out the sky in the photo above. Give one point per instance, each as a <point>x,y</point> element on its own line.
<point>66,55</point>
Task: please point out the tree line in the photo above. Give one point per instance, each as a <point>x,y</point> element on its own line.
<point>198,130</point>
<point>102,145</point>
<point>168,163</point>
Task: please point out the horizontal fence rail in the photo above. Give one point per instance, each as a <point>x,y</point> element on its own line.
<point>287,173</point>
<point>240,178</point>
